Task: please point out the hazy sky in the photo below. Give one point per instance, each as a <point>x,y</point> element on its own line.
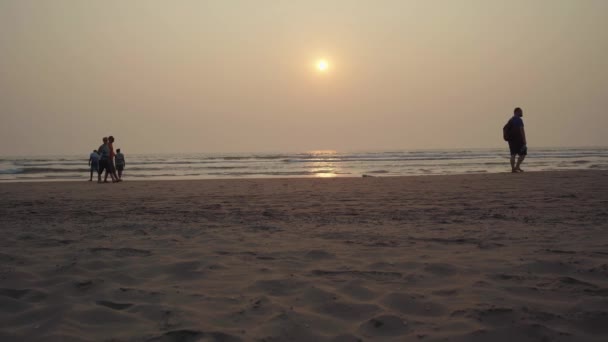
<point>238,76</point>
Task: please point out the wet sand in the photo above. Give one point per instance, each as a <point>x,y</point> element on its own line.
<point>485,257</point>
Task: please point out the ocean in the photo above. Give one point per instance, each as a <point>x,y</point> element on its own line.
<point>306,164</point>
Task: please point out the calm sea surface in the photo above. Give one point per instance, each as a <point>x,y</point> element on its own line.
<point>309,164</point>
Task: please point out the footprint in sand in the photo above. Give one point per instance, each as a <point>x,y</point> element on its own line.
<point>385,326</point>
<point>347,311</point>
<point>25,294</point>
<point>194,335</point>
<point>411,304</point>
<point>121,252</point>
<point>112,305</point>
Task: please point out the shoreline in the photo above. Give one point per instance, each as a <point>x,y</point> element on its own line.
<point>178,179</point>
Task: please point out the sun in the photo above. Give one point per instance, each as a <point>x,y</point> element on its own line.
<point>322,65</point>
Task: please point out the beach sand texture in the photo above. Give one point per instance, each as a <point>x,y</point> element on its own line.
<point>489,257</point>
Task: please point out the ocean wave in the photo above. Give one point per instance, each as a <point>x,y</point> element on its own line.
<point>258,157</point>
<point>10,171</point>
<point>273,173</point>
<point>54,170</point>
<point>271,157</point>
<point>42,170</point>
<point>43,177</point>
<point>148,175</point>
<point>224,167</point>
<point>162,162</point>
<point>379,159</point>
<point>79,163</point>
<point>186,168</point>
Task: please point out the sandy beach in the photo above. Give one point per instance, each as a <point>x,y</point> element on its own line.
<point>485,257</point>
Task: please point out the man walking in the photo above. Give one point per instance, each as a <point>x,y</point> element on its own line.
<point>111,163</point>
<point>104,161</point>
<point>516,136</point>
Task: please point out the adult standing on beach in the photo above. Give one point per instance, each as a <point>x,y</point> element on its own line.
<point>104,161</point>
<point>93,163</point>
<point>112,155</point>
<point>515,134</point>
<point>120,163</point>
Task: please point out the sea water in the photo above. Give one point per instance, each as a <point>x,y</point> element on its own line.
<point>306,164</point>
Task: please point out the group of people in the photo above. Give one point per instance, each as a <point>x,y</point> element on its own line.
<point>113,163</point>
<point>105,159</point>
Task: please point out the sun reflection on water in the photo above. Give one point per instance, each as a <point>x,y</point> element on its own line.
<point>322,163</point>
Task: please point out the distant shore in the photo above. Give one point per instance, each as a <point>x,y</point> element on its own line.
<point>466,257</point>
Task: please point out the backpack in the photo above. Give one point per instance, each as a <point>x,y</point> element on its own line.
<point>506,130</point>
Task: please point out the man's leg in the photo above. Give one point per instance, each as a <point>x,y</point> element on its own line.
<point>113,172</point>
<point>512,163</point>
<point>519,161</point>
<point>91,178</point>
<point>100,169</point>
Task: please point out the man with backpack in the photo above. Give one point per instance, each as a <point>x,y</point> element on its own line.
<point>514,133</point>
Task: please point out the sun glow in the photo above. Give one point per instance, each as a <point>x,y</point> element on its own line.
<point>322,65</point>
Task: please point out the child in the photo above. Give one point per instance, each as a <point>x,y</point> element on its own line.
<point>120,163</point>
<point>93,163</point>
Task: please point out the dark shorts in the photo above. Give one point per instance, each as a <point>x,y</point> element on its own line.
<point>120,167</point>
<point>518,147</point>
<point>103,165</point>
<point>95,166</point>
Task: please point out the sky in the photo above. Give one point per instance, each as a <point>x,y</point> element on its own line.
<point>239,76</point>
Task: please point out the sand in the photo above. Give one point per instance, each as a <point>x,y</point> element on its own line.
<point>486,257</point>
